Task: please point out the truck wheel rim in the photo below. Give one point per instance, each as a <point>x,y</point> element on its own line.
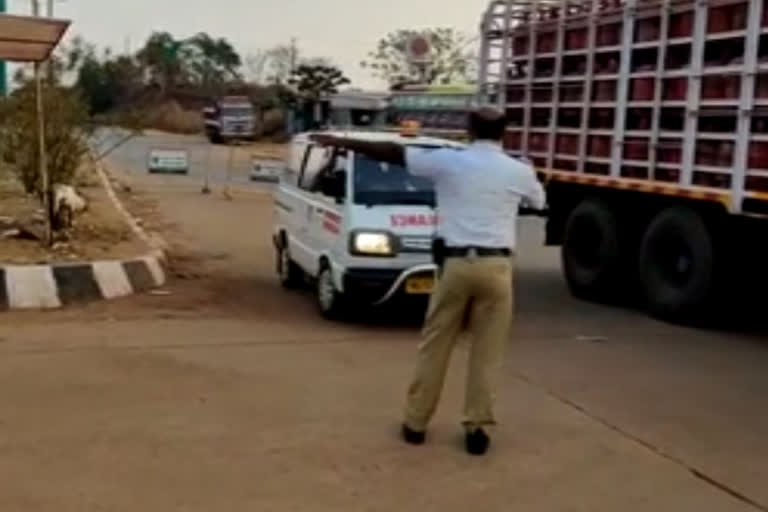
<point>326,292</point>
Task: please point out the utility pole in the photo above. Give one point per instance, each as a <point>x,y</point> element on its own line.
<point>49,65</point>
<point>42,154</point>
<point>3,64</point>
<point>294,55</point>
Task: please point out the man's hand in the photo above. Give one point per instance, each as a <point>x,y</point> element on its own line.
<point>326,140</point>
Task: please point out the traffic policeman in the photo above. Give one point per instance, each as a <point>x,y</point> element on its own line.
<point>479,190</point>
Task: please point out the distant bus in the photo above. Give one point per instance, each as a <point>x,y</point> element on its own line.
<point>434,107</point>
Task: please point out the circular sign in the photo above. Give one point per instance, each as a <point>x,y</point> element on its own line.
<point>419,49</point>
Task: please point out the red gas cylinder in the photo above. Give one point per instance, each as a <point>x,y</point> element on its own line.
<point>600,146</point>
<point>731,85</point>
<point>705,153</point>
<point>643,89</point>
<point>712,87</point>
<point>758,155</point>
<point>739,17</point>
<point>545,43</point>
<point>719,20</point>
<point>762,86</point>
<point>675,88</point>
<point>605,91</point>
<point>636,149</point>
<point>575,39</point>
<point>512,140</point>
<point>669,152</point>
<point>520,46</point>
<point>724,154</point>
<point>608,35</point>
<point>681,24</point>
<point>647,30</point>
<point>539,142</point>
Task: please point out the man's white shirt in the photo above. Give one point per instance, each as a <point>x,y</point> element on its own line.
<point>479,190</point>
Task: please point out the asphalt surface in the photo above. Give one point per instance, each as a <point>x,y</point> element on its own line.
<point>227,392</point>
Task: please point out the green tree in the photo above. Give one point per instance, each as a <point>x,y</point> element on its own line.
<point>211,62</point>
<point>107,84</point>
<point>452,57</point>
<point>313,82</point>
<point>162,58</point>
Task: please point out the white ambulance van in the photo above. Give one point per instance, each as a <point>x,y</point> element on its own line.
<point>360,230</point>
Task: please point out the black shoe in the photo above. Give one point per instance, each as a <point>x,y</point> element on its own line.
<point>477,442</point>
<point>411,436</point>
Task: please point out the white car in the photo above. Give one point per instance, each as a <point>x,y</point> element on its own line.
<point>359,229</point>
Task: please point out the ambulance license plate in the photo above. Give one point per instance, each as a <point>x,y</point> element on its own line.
<point>419,285</point>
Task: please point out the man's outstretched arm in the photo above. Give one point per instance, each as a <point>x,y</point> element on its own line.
<point>389,152</point>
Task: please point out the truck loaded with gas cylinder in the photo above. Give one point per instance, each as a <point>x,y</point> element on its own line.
<point>648,122</point>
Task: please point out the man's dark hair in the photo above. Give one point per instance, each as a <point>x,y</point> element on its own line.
<point>487,123</point>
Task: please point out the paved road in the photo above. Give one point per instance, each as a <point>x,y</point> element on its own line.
<point>230,394</point>
<point>219,165</point>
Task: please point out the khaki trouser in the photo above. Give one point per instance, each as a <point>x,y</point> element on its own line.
<point>478,290</point>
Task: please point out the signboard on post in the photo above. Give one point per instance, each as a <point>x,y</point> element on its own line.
<point>419,50</point>
<point>266,170</point>
<point>419,53</point>
<point>174,161</point>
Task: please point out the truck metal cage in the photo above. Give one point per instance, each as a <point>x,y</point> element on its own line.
<point>669,95</point>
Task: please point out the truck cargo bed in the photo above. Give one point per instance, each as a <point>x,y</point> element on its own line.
<point>663,97</point>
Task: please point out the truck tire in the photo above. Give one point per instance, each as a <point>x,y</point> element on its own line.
<point>214,137</point>
<point>591,253</point>
<point>677,266</point>
<point>330,301</point>
<point>290,274</point>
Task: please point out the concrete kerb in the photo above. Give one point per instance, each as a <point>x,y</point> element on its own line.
<point>55,285</point>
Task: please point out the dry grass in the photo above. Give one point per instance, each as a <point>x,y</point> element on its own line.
<point>170,117</point>
<point>99,233</point>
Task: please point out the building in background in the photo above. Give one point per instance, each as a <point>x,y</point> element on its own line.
<point>441,108</point>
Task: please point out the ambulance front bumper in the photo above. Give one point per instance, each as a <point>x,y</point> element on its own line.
<point>377,286</point>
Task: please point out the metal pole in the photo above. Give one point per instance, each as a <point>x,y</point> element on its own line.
<point>42,153</point>
<point>3,64</point>
<point>230,163</point>
<point>49,65</point>
<point>206,180</point>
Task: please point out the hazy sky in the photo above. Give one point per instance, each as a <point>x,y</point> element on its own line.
<point>343,30</point>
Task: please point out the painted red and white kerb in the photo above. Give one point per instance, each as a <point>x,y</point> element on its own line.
<point>332,222</point>
<point>423,220</point>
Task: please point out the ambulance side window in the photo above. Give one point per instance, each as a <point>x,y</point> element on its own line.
<point>296,160</point>
<point>315,160</point>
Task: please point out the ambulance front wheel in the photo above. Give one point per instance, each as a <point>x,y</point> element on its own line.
<point>330,301</point>
<point>290,273</point>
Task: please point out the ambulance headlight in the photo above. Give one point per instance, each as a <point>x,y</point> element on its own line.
<point>372,243</point>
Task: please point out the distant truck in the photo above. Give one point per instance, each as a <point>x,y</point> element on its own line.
<point>230,118</point>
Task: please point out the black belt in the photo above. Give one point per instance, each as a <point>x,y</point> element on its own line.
<point>463,252</point>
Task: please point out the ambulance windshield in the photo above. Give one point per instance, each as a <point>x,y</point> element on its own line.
<point>379,183</point>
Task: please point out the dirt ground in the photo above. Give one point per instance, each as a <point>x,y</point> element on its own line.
<point>99,233</point>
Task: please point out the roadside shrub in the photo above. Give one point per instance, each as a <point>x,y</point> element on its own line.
<point>67,130</point>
